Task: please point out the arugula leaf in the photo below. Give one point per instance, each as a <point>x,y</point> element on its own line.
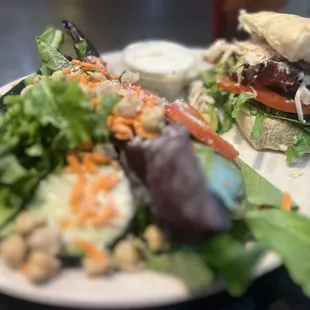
<point>238,101</point>
<point>223,177</point>
<point>258,190</point>
<point>257,129</point>
<point>230,259</point>
<point>184,264</point>
<point>300,147</point>
<point>288,235</point>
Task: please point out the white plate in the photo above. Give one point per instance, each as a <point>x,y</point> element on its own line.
<point>146,288</point>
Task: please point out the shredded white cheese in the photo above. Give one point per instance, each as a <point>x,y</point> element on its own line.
<point>298,102</point>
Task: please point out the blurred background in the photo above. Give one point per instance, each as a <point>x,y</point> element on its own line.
<point>113,24</point>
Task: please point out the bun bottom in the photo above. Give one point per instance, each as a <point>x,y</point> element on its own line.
<point>276,135</point>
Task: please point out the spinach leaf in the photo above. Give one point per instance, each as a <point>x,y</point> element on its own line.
<point>288,235</point>
<point>230,259</point>
<point>184,264</point>
<point>300,147</point>
<point>257,129</point>
<point>259,191</point>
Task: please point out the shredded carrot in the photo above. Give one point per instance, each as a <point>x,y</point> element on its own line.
<point>76,194</point>
<point>115,164</point>
<point>286,202</point>
<point>105,182</point>
<point>91,250</point>
<point>67,70</point>
<point>90,165</point>
<point>95,102</point>
<point>65,224</point>
<point>87,65</point>
<point>98,158</point>
<point>107,213</point>
<point>93,84</point>
<point>75,164</point>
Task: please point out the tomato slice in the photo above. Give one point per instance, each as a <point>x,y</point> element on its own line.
<point>185,114</point>
<point>264,95</point>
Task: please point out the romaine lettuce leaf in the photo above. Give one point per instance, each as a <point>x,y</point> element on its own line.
<point>258,190</point>
<point>48,45</point>
<point>287,234</point>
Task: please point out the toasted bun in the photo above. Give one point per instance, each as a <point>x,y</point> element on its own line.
<point>288,34</point>
<point>276,135</point>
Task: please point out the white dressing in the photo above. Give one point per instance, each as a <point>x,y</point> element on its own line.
<point>158,57</point>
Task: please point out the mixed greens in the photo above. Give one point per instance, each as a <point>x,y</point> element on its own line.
<point>193,211</point>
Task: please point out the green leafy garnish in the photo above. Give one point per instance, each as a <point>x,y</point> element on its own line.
<point>300,147</point>
<point>257,129</point>
<point>258,190</point>
<point>287,234</point>
<point>184,264</point>
<point>230,259</point>
<point>81,48</point>
<point>227,119</point>
<point>238,101</point>
<point>48,45</point>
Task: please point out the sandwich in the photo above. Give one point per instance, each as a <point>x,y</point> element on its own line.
<point>264,82</point>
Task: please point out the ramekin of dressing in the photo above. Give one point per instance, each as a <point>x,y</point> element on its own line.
<point>162,65</point>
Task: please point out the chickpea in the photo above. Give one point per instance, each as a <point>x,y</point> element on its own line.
<point>58,75</point>
<point>108,87</point>
<point>126,256</point>
<point>13,251</point>
<point>94,267</point>
<point>45,239</point>
<point>38,78</point>
<point>25,90</point>
<point>154,238</point>
<point>97,76</point>
<point>128,107</point>
<point>28,221</point>
<point>130,77</point>
<point>41,266</point>
<point>153,119</point>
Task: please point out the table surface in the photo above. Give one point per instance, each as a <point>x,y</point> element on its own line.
<point>111,25</point>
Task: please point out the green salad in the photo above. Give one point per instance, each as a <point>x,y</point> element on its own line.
<point>99,174</point>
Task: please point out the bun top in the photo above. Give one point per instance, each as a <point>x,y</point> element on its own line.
<point>288,34</point>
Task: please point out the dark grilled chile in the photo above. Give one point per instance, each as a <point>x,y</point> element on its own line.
<point>182,204</point>
<point>273,75</point>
